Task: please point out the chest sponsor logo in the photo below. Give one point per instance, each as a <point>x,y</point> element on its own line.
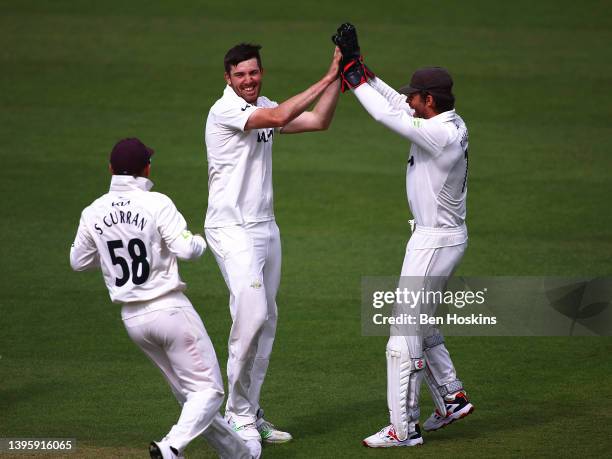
<point>265,136</point>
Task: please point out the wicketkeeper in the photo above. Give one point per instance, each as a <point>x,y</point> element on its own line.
<point>436,183</point>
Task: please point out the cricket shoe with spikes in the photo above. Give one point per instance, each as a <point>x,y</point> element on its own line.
<point>268,432</point>
<point>387,438</point>
<point>457,406</point>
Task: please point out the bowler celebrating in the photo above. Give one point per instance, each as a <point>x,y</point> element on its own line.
<point>436,184</point>
<point>240,226</point>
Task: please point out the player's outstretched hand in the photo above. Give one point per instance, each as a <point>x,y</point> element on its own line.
<point>346,39</point>
<point>334,69</point>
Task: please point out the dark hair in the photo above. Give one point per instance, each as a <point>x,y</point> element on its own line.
<point>444,102</point>
<point>241,52</point>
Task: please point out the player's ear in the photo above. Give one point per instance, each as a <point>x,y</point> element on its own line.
<point>430,102</point>
<point>146,172</point>
<point>110,168</point>
<point>227,78</point>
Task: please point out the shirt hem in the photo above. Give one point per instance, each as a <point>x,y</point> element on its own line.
<point>174,299</point>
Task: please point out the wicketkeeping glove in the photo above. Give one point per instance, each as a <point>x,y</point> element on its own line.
<point>353,72</point>
<point>346,40</point>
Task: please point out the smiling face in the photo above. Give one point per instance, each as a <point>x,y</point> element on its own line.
<point>424,107</point>
<point>417,104</point>
<point>245,79</point>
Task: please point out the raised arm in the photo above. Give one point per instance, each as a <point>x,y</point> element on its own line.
<point>417,130</point>
<point>291,108</point>
<point>394,98</point>
<point>321,115</point>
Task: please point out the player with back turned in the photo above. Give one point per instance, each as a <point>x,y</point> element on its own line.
<point>436,184</point>
<point>135,237</point>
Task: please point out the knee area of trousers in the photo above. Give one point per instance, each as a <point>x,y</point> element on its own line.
<point>252,297</point>
<point>433,341</point>
<point>257,316</point>
<point>213,396</point>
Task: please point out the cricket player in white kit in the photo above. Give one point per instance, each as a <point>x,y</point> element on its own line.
<point>436,185</point>
<point>135,237</point>
<point>240,227</point>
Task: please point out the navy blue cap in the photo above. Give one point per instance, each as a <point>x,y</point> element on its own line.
<point>435,80</point>
<point>130,156</point>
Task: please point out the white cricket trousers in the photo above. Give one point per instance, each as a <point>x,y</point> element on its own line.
<point>249,257</point>
<point>430,267</point>
<point>175,339</point>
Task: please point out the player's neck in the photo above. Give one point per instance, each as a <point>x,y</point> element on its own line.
<point>430,113</point>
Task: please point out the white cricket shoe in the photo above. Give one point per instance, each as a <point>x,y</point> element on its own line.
<point>163,450</point>
<point>246,431</point>
<point>254,447</point>
<point>387,438</point>
<point>457,406</point>
<point>268,432</point>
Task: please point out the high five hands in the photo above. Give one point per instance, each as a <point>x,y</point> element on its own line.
<point>353,71</point>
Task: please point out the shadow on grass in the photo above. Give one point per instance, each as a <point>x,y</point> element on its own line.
<point>482,423</point>
<point>336,417</point>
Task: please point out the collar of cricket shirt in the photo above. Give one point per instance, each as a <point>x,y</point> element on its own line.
<point>128,182</point>
<point>444,116</point>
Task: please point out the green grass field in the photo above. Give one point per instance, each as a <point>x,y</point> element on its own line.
<point>532,81</point>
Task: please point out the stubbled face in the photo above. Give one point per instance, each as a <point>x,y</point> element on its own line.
<point>245,80</point>
<point>416,102</point>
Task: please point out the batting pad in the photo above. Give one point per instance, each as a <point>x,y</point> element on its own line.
<point>403,383</point>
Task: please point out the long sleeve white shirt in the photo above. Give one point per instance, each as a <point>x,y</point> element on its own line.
<point>135,236</point>
<point>436,176</point>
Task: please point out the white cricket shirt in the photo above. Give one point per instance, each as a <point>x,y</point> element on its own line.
<point>436,176</point>
<point>135,237</point>
<point>239,163</point>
